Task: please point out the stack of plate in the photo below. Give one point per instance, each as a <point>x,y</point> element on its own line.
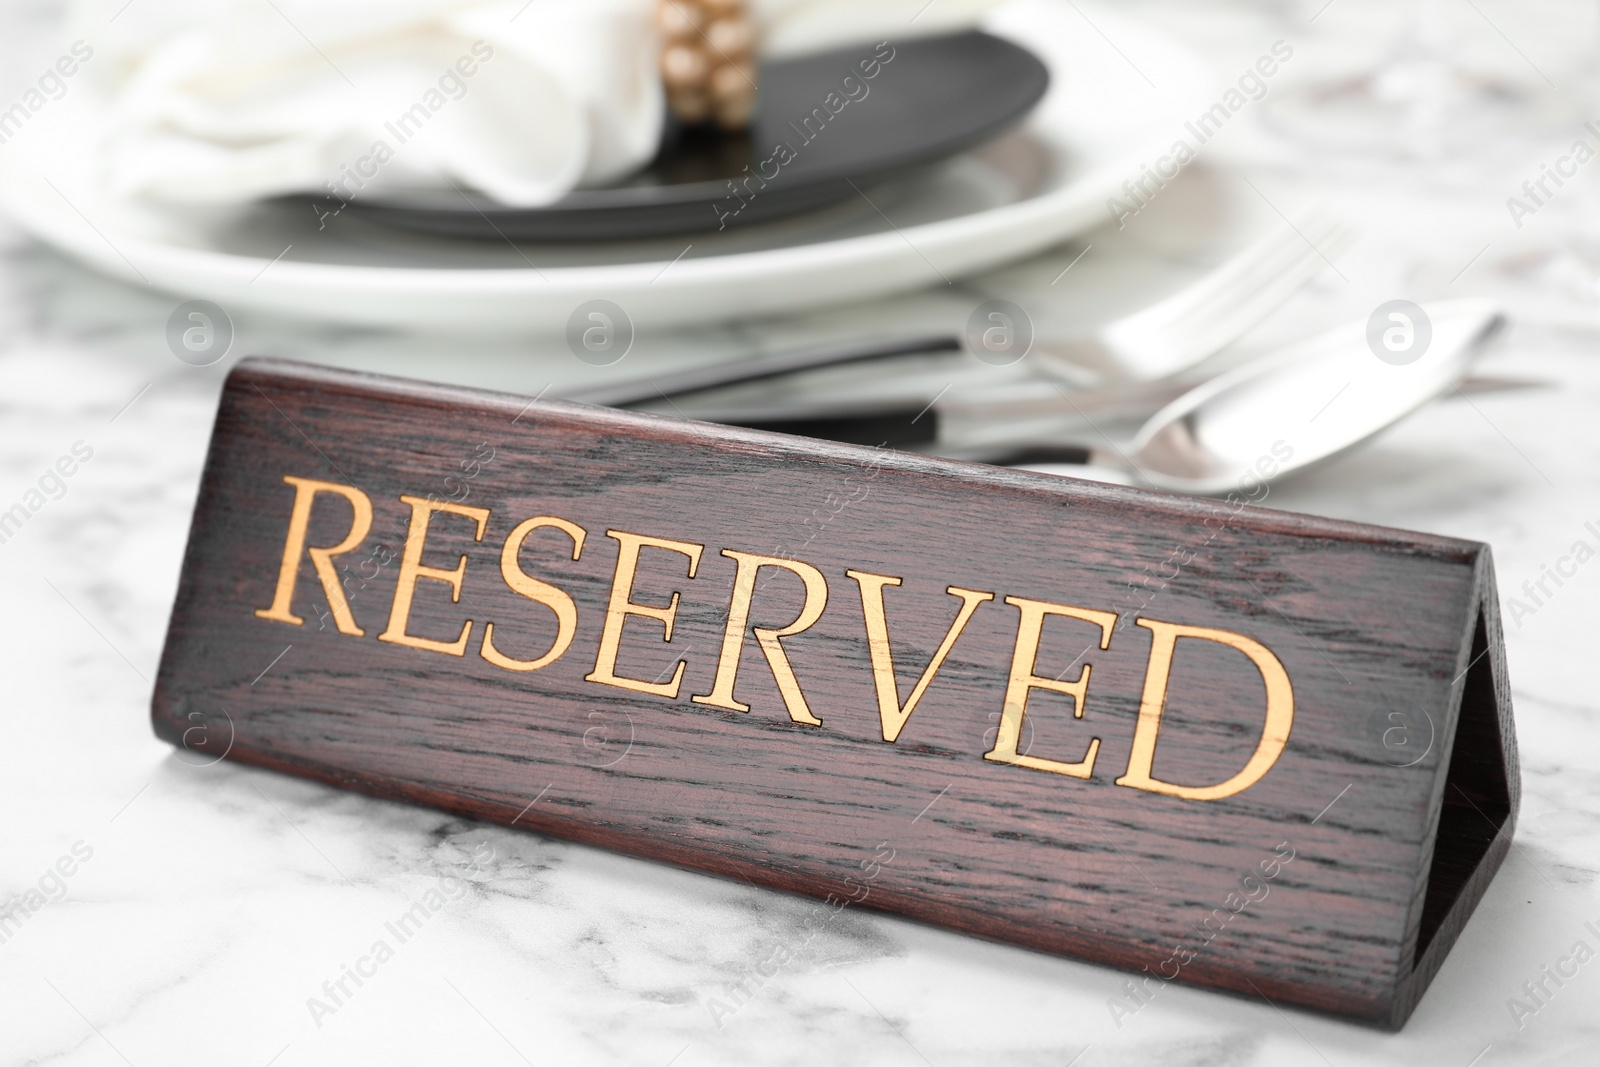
<point>960,153</point>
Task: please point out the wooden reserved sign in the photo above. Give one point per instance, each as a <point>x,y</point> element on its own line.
<point>1191,739</point>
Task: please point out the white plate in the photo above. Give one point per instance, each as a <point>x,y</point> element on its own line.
<point>1100,123</point>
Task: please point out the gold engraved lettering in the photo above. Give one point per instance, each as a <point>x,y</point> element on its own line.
<point>411,569</point>
<point>556,600</point>
<point>622,605</point>
<point>891,713</point>
<point>1023,681</point>
<point>1274,734</point>
<point>744,585</point>
<point>305,494</point>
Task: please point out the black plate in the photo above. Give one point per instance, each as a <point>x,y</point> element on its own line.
<point>934,97</point>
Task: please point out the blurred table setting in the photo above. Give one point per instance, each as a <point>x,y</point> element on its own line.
<point>1144,243</point>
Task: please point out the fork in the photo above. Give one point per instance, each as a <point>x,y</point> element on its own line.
<point>1176,333</point>
<point>1158,341</point>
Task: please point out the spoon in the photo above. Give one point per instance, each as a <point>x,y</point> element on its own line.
<point>1278,414</point>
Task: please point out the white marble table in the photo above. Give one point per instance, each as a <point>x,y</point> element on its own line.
<point>207,906</point>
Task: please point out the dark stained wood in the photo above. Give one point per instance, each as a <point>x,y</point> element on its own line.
<point>1374,628</point>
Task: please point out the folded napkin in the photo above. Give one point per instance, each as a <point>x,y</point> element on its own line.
<point>794,27</point>
<point>228,101</point>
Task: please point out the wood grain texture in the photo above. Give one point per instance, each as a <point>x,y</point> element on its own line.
<point>1369,624</point>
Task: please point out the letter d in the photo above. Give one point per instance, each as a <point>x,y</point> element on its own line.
<point>1274,734</point>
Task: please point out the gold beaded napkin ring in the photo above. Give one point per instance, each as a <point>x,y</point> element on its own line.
<point>707,61</point>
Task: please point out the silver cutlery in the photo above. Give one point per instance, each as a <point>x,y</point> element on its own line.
<point>1288,410</point>
<point>1160,340</point>
<point>1203,318</point>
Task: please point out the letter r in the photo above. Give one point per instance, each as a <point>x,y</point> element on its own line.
<point>294,544</point>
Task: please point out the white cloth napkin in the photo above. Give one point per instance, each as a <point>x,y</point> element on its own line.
<point>227,101</point>
<point>793,27</point>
